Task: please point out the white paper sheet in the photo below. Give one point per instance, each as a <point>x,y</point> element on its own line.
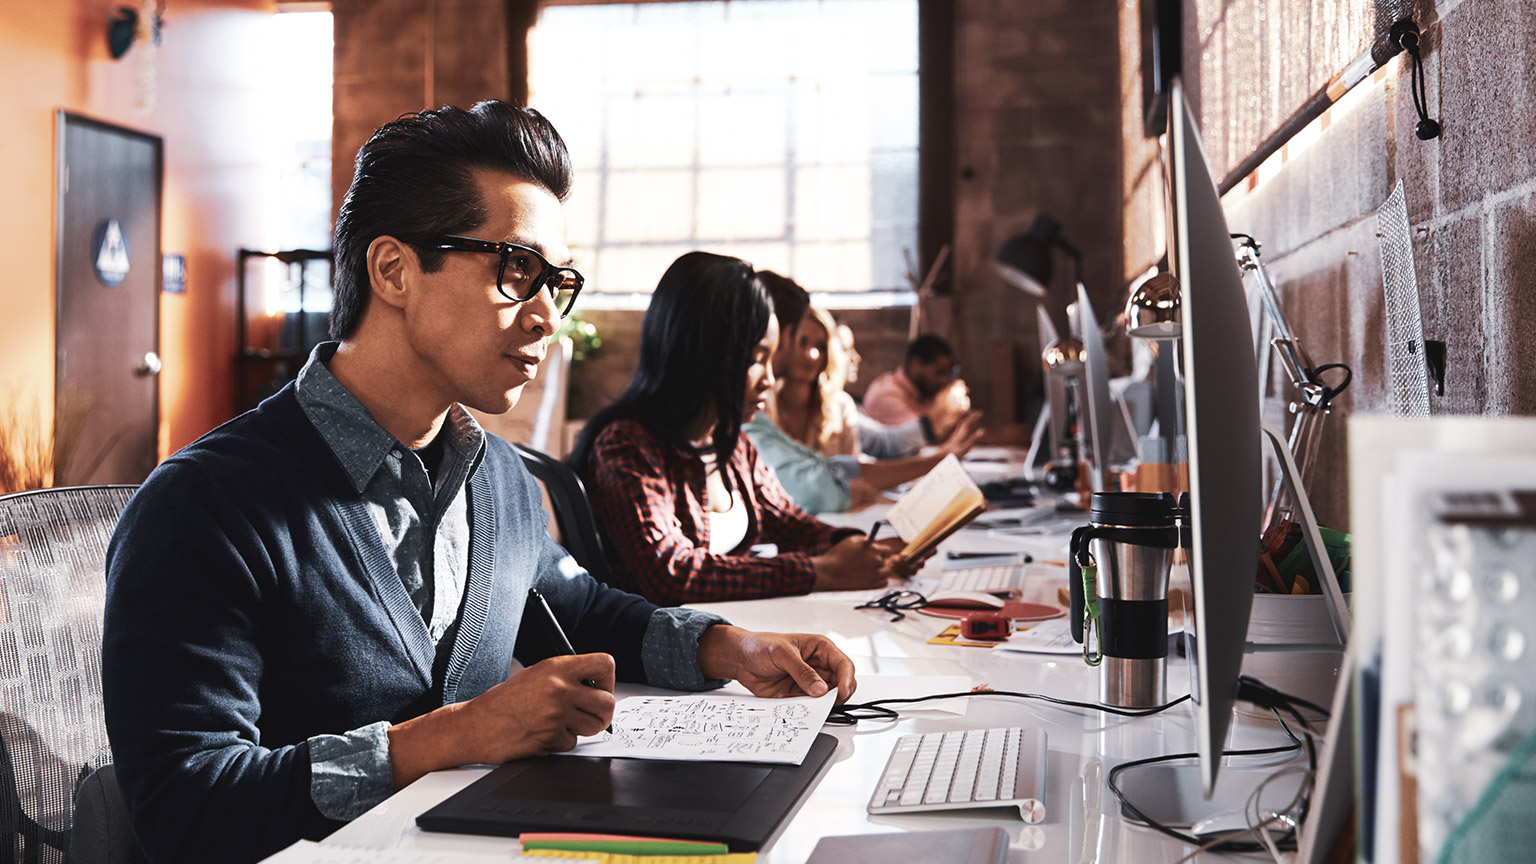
<point>1047,637</point>
<point>711,727</point>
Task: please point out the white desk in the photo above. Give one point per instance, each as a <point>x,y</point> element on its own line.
<point>1083,745</point>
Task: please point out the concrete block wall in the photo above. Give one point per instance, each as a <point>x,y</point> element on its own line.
<point>1471,198</point>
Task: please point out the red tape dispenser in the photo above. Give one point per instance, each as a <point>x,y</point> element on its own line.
<point>992,626</point>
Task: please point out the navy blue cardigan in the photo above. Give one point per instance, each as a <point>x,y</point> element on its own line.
<point>251,605</point>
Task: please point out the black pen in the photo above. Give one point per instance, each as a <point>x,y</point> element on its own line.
<point>557,635</point>
<point>1024,556</point>
<point>873,530</point>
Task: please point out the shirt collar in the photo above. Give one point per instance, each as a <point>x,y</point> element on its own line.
<point>360,444</point>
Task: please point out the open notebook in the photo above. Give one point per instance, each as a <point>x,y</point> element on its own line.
<point>938,505</point>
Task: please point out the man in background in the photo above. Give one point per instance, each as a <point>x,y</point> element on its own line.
<point>926,387</point>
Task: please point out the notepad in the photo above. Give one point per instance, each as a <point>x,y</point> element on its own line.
<point>936,506</point>
<point>618,844</point>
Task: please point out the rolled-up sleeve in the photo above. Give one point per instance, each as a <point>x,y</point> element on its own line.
<point>350,773</point>
<point>671,649</point>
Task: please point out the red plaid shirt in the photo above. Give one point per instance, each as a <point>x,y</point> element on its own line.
<point>651,506</point>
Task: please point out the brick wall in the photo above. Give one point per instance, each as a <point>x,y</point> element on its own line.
<point>1035,109</point>
<point>398,56</point>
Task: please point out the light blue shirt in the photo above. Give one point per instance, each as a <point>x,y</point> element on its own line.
<point>424,524</point>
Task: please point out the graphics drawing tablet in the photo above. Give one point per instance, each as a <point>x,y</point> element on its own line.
<point>738,803</point>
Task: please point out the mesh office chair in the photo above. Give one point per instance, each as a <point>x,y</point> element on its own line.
<point>53,547</point>
<point>573,513</point>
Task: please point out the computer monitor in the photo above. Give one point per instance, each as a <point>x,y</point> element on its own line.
<point>1096,377</point>
<point>1222,421</point>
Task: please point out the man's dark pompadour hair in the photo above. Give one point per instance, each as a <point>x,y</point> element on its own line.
<point>928,348</point>
<point>414,176</point>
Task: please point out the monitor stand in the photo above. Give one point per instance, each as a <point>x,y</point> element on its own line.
<point>1172,794</point>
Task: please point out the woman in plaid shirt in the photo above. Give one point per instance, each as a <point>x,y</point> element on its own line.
<point>688,511</point>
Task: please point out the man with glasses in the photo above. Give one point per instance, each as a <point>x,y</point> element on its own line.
<point>322,600</point>
<point>927,387</point>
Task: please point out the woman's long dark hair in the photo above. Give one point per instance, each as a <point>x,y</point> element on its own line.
<point>705,319</point>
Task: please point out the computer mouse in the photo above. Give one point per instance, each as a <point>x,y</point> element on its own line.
<point>965,600</point>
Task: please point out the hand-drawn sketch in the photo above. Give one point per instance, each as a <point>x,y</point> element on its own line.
<point>711,727</point>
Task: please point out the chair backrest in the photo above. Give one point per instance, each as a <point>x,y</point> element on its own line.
<point>573,513</point>
<point>53,546</point>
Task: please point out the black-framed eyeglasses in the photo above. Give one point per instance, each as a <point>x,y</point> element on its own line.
<point>895,602</point>
<point>523,272</point>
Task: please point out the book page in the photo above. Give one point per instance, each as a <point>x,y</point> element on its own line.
<point>930,497</point>
<point>711,727</point>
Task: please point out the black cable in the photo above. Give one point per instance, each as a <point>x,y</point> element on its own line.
<point>1406,34</point>
<point>848,714</point>
<point>1135,813</point>
<point>1315,373</point>
<point>1250,690</point>
<point>1253,690</point>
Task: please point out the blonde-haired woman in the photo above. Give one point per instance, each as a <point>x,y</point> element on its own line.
<point>811,429</point>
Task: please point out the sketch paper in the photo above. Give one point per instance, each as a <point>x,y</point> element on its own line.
<point>1047,637</point>
<point>711,727</point>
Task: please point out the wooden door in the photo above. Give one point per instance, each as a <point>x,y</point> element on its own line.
<point>106,397</point>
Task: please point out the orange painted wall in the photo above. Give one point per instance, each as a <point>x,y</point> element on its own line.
<point>211,117</point>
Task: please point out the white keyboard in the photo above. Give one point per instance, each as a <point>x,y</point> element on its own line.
<point>988,577</point>
<point>964,769</point>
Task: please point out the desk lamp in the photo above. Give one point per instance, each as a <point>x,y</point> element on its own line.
<point>1062,359</point>
<point>1153,312</point>
<point>1024,260</point>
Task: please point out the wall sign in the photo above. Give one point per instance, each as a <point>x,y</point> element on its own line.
<point>109,253</point>
<point>173,274</point>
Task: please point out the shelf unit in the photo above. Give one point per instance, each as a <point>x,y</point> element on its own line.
<point>260,370</point>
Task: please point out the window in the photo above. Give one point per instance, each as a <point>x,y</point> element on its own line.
<point>297,153</point>
<point>780,131</point>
